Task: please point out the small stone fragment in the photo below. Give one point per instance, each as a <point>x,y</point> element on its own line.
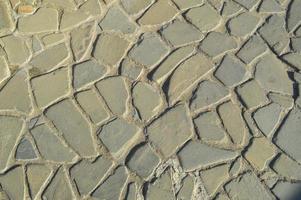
<point>159,12</point>
<point>152,46</point>
<point>260,152</point>
<point>92,105</point>
<point>71,123</point>
<point>142,160</point>
<point>180,32</point>
<point>217,43</point>
<point>243,24</point>
<point>135,6</point>
<point>204,18</point>
<point>25,150</point>
<point>146,99</point>
<point>59,81</point>
<point>187,4</point>
<point>186,190</point>
<point>112,186</point>
<point>12,183</point>
<point>286,167</point>
<point>170,131</point>
<point>87,174</point>
<point>109,48</point>
<point>116,101</point>
<point>196,154</point>
<point>45,20</point>
<point>116,20</point>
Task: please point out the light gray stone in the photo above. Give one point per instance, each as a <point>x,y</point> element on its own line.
<point>135,6</point>
<point>287,190</point>
<point>296,44</point>
<point>243,24</point>
<point>293,59</point>
<point>247,3</point>
<point>12,183</point>
<point>6,22</point>
<point>293,14</point>
<point>185,193</point>
<point>287,167</point>
<point>270,6</point>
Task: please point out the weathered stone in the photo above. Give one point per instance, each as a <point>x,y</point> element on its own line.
<point>91,7</point>
<point>131,192</point>
<point>287,190</point>
<point>196,154</point>
<point>112,186</point>
<point>142,160</point>
<point>180,32</point>
<point>245,186</point>
<point>187,4</point>
<point>4,69</point>
<point>293,15</point>
<point>36,45</point>
<point>66,4</point>
<point>296,43</point>
<point>10,128</point>
<point>135,6</point>
<point>53,38</point>
<point>87,72</point>
<point>59,81</point>
<point>288,136</point>
<point>45,20</point>
<point>293,59</point>
<point>116,101</point>
<point>6,22</point>
<point>73,126</point>
<point>109,48</point>
<point>243,24</point>
<point>251,94</point>
<point>116,20</point>
<point>14,95</point>
<point>186,190</point>
<point>187,74</point>
<point>71,19</point>
<point>92,105</point>
<point>130,69</point>
<point>217,43</point>
<point>286,167</point>
<point>272,75</point>
<point>152,46</point>
<point>12,183</point>
<point>25,150</point>
<point>204,18</point>
<point>146,99</point>
<point>230,8</point>
<point>270,6</point>
<point>49,145</point>
<point>170,131</point>
<point>247,3</point>
<point>87,174</point>
<point>260,152</point>
<point>25,9</point>
<point>282,100</point>
<point>160,12</point>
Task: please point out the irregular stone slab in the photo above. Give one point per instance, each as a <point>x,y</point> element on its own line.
<point>217,43</point>
<point>187,4</point>
<point>66,4</point>
<point>187,74</point>
<point>160,12</point>
<point>91,7</point>
<point>146,99</point>
<point>180,32</point>
<point>260,152</point>
<point>293,59</point>
<point>287,190</point>
<point>59,188</point>
<point>243,24</point>
<point>14,95</point>
<point>196,154</point>
<point>161,188</point>
<point>208,126</point>
<point>232,120</point>
<point>231,71</point>
<point>204,18</point>
<point>59,81</point>
<point>131,192</point>
<point>267,117</point>
<point>288,137</point>
<point>15,49</point>
<point>286,167</point>
<point>50,57</point>
<point>49,145</point>
<point>296,43</point>
<point>169,64</point>
<point>282,100</point>
<point>4,69</point>
<point>10,128</point>
<point>293,15</point>
<point>251,94</point>
<point>214,177</point>
<point>251,49</point>
<point>185,193</point>
<point>36,176</point>
<point>230,8</point>
<point>45,20</point>
<point>118,136</point>
<point>6,22</point>
<point>73,126</point>
<point>87,72</point>
<point>92,105</point>
<point>207,93</point>
<point>272,75</point>
<point>270,6</point>
<point>36,45</point>
<point>112,186</point>
<point>87,175</point>
<point>116,20</point>
<point>53,38</point>
<point>130,69</point>
<point>245,186</point>
<point>109,48</point>
<point>135,6</point>
<point>152,46</point>
<point>274,33</point>
<point>81,39</point>
<point>12,183</point>
<point>118,99</point>
<point>72,19</point>
<point>247,3</point>
<point>25,150</point>
<point>171,130</point>
<point>142,160</point>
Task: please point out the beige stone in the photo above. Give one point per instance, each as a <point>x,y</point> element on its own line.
<point>71,19</point>
<point>186,190</point>
<point>135,6</point>
<point>6,21</point>
<point>53,38</point>
<point>13,182</point>
<point>287,167</point>
<point>4,69</point>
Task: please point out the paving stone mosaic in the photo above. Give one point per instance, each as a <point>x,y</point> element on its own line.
<point>150,99</point>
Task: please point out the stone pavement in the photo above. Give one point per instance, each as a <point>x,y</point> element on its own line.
<point>150,99</point>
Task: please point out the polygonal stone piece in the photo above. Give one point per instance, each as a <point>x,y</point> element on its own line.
<point>287,167</point>
<point>293,15</point>
<point>12,183</point>
<point>72,18</point>
<point>247,3</point>
<point>6,22</point>
<point>25,150</point>
<point>187,4</point>
<point>135,6</point>
<point>293,59</point>
<point>243,24</point>
<point>4,69</point>
<point>287,190</point>
<point>270,6</point>
<point>186,190</point>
